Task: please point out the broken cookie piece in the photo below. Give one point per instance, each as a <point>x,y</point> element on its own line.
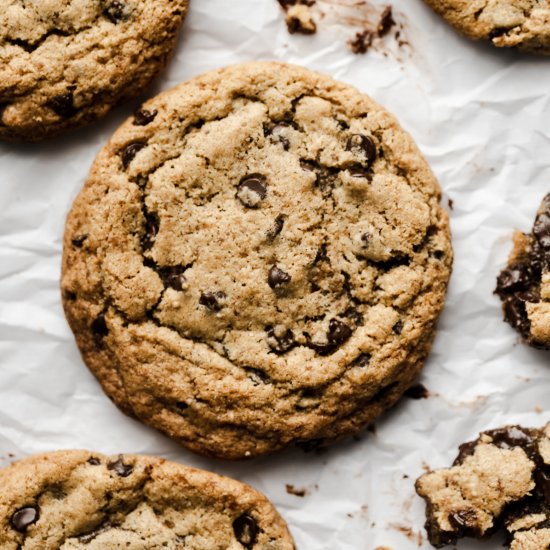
<point>77,500</point>
<point>501,480</point>
<point>524,286</point>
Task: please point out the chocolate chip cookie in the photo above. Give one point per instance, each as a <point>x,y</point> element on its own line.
<point>261,264</point>
<point>521,24</point>
<point>524,286</point>
<point>78,499</point>
<point>64,63</point>
<point>501,480</point>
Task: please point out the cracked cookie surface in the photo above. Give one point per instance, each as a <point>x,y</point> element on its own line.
<point>501,480</point>
<point>522,24</point>
<point>65,63</point>
<point>262,264</point>
<point>524,285</point>
<point>69,500</point>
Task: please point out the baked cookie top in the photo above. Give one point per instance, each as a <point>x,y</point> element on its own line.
<point>524,285</point>
<point>64,63</point>
<point>522,24</point>
<point>80,500</point>
<point>500,480</point>
<point>262,260</point>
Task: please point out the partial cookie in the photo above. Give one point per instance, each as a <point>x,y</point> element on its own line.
<point>262,264</point>
<point>77,499</point>
<point>500,480</point>
<point>65,63</point>
<point>524,286</point>
<point>521,24</point>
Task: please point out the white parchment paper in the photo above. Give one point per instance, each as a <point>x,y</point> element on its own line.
<point>482,118</point>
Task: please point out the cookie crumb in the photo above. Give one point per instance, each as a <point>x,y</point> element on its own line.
<point>291,490</point>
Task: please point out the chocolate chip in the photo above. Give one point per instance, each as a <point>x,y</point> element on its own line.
<point>118,466</point>
<point>23,518</point>
<point>246,530</point>
<point>277,227</point>
<point>115,11</point>
<point>362,144</point>
<point>99,326</point>
<point>78,241</point>
<point>94,461</point>
<point>130,151</point>
<point>152,225</point>
<point>174,277</point>
<point>252,190</point>
<point>63,104</point>
<point>418,391</point>
<point>464,451</point>
<point>362,360</point>
<point>386,22</point>
<point>398,327</point>
<point>277,134</point>
<point>277,277</point>
<point>280,340</point>
<point>338,332</point>
<point>213,300</point>
<point>143,117</point>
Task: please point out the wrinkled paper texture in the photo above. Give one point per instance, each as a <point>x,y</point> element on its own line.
<point>482,118</point>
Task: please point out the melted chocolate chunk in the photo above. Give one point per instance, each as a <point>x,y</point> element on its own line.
<point>94,461</point>
<point>386,22</point>
<point>130,151</point>
<point>277,227</point>
<point>277,277</point>
<point>362,144</point>
<point>152,225</point>
<point>246,530</point>
<point>213,300</point>
<point>115,11</point>
<point>23,518</point>
<point>252,190</point>
<point>280,341</point>
<point>143,117</point>
<point>63,104</point>
<point>121,469</point>
<point>99,326</point>
<point>511,436</point>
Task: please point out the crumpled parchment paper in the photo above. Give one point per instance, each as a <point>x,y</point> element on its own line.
<point>482,118</point>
